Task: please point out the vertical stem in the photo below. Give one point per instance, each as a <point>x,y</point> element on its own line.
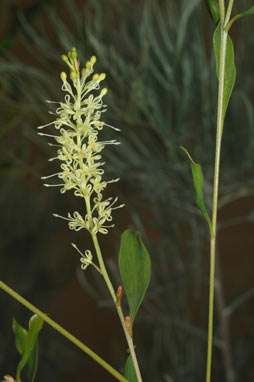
<point>103,268</point>
<point>222,10</point>
<point>220,122</point>
<point>223,319</point>
<point>229,10</point>
<point>118,307</point>
<point>130,343</point>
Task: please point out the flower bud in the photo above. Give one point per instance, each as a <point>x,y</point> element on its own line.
<point>74,53</point>
<point>95,77</point>
<point>88,64</point>
<point>64,58</point>
<point>104,92</point>
<point>63,76</point>
<point>74,75</point>
<point>93,60</point>
<point>102,76</point>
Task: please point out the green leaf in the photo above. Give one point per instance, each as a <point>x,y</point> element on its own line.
<point>214,10</point>
<point>135,269</point>
<point>20,340</point>
<point>33,363</point>
<point>198,181</point>
<point>129,371</point>
<point>230,69</point>
<point>20,335</point>
<point>238,16</point>
<point>29,348</point>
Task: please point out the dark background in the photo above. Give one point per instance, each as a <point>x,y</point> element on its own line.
<point>162,94</point>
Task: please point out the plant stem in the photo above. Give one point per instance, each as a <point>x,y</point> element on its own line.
<point>220,122</point>
<point>118,307</point>
<point>222,10</point>
<point>130,343</point>
<point>224,321</point>
<point>102,267</point>
<point>229,10</point>
<point>64,332</point>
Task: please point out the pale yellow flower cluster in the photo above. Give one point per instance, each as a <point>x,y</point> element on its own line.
<point>79,150</point>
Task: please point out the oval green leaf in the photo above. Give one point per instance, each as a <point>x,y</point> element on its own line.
<point>230,69</point>
<point>135,269</point>
<point>198,181</point>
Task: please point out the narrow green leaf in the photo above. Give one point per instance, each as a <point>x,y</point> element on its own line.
<point>238,16</point>
<point>129,371</point>
<point>198,181</point>
<point>135,269</point>
<point>214,10</point>
<point>230,69</point>
<point>20,335</point>
<point>35,325</point>
<point>33,363</point>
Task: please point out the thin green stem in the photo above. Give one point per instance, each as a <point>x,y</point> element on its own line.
<point>118,307</point>
<point>222,10</point>
<point>63,331</point>
<point>220,122</point>
<point>211,306</point>
<point>130,343</point>
<point>102,267</point>
<point>229,10</point>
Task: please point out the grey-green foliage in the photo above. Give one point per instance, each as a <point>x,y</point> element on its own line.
<point>162,81</point>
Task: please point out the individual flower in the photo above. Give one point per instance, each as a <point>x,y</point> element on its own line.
<point>79,150</point>
<point>86,259</point>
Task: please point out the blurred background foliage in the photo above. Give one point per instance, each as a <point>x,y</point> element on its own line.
<point>161,76</point>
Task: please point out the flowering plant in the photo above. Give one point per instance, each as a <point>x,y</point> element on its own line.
<point>78,123</point>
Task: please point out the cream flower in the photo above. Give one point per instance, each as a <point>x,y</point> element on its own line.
<point>79,150</point>
<point>86,259</point>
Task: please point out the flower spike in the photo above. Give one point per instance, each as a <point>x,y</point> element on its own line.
<point>78,123</point>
